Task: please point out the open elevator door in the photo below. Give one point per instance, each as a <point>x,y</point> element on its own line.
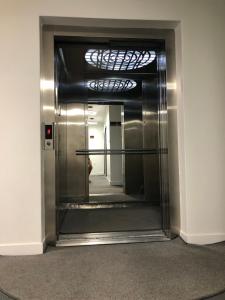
<point>128,75</point>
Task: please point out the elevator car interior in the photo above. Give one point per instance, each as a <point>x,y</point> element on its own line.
<point>110,131</point>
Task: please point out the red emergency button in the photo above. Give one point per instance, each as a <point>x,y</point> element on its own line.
<point>48,132</point>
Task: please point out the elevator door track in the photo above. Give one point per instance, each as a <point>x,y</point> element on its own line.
<point>87,239</point>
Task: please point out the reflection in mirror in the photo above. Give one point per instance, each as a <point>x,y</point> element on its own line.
<point>104,133</point>
<point>113,176</point>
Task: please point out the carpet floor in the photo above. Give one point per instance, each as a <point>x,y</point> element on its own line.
<point>169,270</point>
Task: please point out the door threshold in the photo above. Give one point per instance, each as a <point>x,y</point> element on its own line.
<point>95,205</point>
<point>105,238</point>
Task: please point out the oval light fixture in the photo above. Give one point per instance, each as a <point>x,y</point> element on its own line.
<point>119,60</point>
<point>111,85</point>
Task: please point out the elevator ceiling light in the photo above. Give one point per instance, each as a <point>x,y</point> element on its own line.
<point>119,60</point>
<point>111,85</point>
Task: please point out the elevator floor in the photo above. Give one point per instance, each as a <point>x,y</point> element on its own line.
<point>99,184</point>
<point>101,191</point>
<point>106,198</point>
<point>109,219</point>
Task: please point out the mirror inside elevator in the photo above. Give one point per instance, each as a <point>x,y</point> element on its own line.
<point>111,148</point>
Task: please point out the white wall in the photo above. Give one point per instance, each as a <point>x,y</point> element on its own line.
<point>97,131</point>
<point>201,111</point>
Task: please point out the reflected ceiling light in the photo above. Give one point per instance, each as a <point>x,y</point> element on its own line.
<point>119,60</point>
<point>92,123</point>
<point>171,85</point>
<point>91,113</point>
<point>163,112</point>
<point>162,62</point>
<point>78,112</point>
<point>48,107</point>
<point>47,84</point>
<point>74,112</point>
<point>69,123</point>
<point>111,85</point>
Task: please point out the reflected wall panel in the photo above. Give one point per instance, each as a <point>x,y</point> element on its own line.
<point>72,169</point>
<point>61,151</point>
<point>133,139</point>
<point>151,140</point>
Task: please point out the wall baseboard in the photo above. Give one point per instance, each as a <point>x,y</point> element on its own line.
<point>38,248</point>
<point>97,174</point>
<point>21,249</point>
<point>202,239</point>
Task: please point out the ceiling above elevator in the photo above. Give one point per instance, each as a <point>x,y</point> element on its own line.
<point>119,60</point>
<point>110,70</point>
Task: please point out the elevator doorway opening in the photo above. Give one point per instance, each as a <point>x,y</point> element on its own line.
<point>111,141</point>
<point>106,172</point>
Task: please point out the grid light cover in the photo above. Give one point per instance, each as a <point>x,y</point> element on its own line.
<point>119,60</point>
<point>111,85</point>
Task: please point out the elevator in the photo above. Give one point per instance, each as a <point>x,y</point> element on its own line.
<point>106,144</point>
<point>119,87</point>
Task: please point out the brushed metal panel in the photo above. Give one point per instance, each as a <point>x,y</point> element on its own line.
<point>76,166</point>
<point>72,173</point>
<point>111,238</point>
<point>61,152</point>
<point>163,142</point>
<point>151,139</point>
<point>173,153</point>
<point>133,139</point>
<point>48,116</point>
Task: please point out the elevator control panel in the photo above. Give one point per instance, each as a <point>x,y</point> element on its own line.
<point>49,136</point>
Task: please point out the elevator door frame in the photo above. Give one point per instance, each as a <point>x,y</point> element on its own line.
<point>48,98</point>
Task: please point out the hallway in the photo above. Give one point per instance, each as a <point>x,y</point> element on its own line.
<point>100,185</point>
<point>100,190</point>
<point>129,95</point>
<point>143,271</point>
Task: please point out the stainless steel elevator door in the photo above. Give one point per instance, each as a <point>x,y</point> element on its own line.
<point>72,175</point>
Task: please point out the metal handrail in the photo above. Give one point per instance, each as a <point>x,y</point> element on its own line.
<point>120,151</point>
